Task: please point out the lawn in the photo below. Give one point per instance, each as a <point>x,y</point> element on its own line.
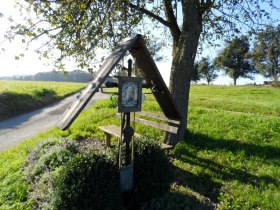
<point>20,96</point>
<point>230,158</point>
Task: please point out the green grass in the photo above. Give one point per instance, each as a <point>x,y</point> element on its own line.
<point>228,160</point>
<point>20,96</point>
<point>258,100</point>
<point>13,185</point>
<point>231,159</point>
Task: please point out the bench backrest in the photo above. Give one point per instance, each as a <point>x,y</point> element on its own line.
<point>171,127</point>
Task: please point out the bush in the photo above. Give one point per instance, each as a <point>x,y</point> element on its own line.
<point>152,171</point>
<point>64,176</point>
<point>48,155</point>
<point>89,181</point>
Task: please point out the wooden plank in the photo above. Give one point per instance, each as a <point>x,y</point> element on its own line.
<point>157,116</point>
<point>167,128</point>
<point>111,129</point>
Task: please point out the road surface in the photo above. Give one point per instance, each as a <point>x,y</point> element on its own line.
<point>18,128</point>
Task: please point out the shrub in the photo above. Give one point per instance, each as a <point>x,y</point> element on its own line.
<point>65,176</point>
<point>43,162</point>
<point>48,155</point>
<point>152,172</point>
<point>88,181</point>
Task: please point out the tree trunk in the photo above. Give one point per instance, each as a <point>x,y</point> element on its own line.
<point>275,78</point>
<point>184,52</point>
<point>234,81</point>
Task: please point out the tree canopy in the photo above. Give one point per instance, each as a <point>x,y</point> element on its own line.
<point>234,60</point>
<point>266,52</point>
<point>77,28</point>
<point>207,70</point>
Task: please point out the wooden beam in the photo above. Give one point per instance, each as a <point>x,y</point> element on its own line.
<point>157,116</point>
<point>167,128</point>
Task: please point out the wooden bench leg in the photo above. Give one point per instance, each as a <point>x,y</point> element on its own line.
<point>108,139</point>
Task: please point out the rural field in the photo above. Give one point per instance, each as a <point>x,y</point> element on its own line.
<point>229,159</point>
<point>21,96</point>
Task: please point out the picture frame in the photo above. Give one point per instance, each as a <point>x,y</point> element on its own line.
<point>130,94</point>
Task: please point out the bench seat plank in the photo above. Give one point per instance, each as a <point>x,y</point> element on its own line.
<point>110,130</point>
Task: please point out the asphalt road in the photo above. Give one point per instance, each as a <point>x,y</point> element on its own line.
<point>18,128</point>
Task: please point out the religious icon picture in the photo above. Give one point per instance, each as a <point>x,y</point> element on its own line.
<point>130,94</point>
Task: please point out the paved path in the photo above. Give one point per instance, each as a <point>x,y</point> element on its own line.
<point>18,128</point>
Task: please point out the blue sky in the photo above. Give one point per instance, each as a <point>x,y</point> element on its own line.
<point>30,63</point>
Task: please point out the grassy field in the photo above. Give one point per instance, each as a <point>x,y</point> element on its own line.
<point>257,100</point>
<point>230,158</point>
<point>21,96</point>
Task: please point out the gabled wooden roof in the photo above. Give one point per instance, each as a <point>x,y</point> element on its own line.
<point>136,46</point>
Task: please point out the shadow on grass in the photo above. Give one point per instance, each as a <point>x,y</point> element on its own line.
<point>268,153</point>
<point>177,200</point>
<point>205,177</point>
<point>202,190</point>
<point>16,103</point>
<point>45,93</point>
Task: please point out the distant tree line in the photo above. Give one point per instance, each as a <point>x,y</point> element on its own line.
<point>239,60</point>
<point>71,76</point>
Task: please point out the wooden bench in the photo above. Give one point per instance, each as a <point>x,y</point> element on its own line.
<point>172,126</point>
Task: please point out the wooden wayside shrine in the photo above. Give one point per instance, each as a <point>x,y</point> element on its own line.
<point>137,48</point>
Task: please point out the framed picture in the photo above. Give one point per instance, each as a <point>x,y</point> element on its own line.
<point>130,94</point>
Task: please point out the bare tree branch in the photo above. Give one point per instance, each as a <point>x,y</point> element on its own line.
<point>150,14</point>
<point>175,30</point>
<point>205,5</point>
